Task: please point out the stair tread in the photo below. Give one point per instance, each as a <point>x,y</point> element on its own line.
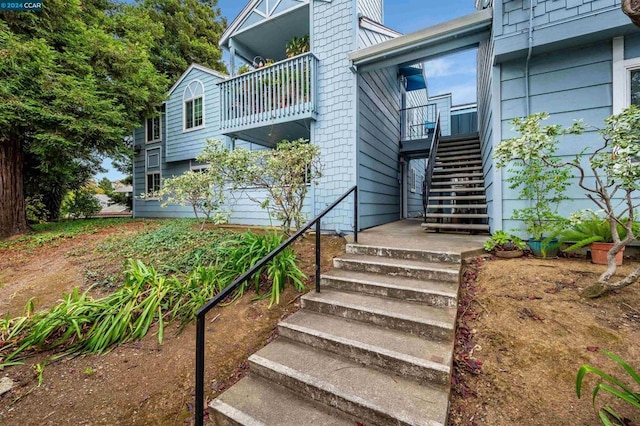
<point>457,182</point>
<point>396,396</point>
<point>478,227</point>
<point>448,171</point>
<point>399,282</point>
<point>475,152</point>
<point>416,312</point>
<point>458,215</point>
<point>393,343</point>
<point>458,197</point>
<point>462,189</point>
<point>458,175</point>
<point>256,402</point>
<point>456,206</point>
<point>414,264</point>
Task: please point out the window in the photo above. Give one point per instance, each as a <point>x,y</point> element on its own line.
<point>412,179</point>
<point>153,130</point>
<point>153,182</point>
<point>193,99</point>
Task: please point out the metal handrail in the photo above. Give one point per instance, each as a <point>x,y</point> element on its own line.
<point>202,312</point>
<point>428,173</point>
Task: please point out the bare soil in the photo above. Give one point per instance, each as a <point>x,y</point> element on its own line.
<point>140,383</point>
<point>523,334</point>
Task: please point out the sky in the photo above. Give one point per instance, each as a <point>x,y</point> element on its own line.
<point>454,74</point>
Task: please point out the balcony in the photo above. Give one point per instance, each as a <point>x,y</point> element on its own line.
<point>417,129</point>
<point>272,103</point>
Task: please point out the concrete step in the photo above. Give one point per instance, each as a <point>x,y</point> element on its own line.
<point>458,198</point>
<point>434,293</point>
<point>400,267</point>
<point>407,254</point>
<point>456,206</point>
<point>416,318</point>
<point>459,189</point>
<point>253,401</point>
<point>457,215</point>
<point>457,182</point>
<point>447,175</point>
<point>410,356</point>
<point>456,226</point>
<point>364,393</point>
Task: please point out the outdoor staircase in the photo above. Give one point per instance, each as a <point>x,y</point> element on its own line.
<point>456,200</point>
<point>374,347</point>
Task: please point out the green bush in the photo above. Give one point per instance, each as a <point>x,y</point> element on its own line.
<point>81,203</point>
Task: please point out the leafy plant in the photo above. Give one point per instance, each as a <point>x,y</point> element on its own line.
<point>80,324</point>
<point>297,46</point>
<point>622,391</point>
<point>202,190</point>
<point>587,227</point>
<point>285,174</point>
<point>503,241</point>
<point>81,203</point>
<point>38,369</point>
<point>537,173</point>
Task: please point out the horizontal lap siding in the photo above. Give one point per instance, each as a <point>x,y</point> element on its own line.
<point>485,120</point>
<point>414,199</point>
<point>443,104</point>
<point>570,85</point>
<point>245,211</point>
<point>183,145</point>
<point>379,132</point>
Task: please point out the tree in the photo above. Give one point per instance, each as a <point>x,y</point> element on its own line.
<point>610,178</point>
<point>631,8</point>
<point>284,173</point>
<point>75,79</point>
<point>203,190</point>
<point>106,186</point>
<point>192,30</point>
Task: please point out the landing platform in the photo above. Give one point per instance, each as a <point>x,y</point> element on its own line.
<point>408,234</point>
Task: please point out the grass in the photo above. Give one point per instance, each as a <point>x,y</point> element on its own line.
<point>51,233</point>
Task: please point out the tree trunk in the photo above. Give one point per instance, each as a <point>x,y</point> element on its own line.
<point>631,8</point>
<point>13,218</point>
<point>601,288</point>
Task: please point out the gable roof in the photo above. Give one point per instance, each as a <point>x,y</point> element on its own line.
<point>197,67</point>
<point>239,20</point>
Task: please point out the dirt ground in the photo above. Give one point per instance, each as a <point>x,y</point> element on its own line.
<point>525,333</point>
<point>139,383</point>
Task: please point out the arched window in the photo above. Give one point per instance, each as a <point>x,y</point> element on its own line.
<point>193,101</point>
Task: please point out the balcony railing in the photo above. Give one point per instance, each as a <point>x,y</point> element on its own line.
<point>284,90</point>
<point>419,122</point>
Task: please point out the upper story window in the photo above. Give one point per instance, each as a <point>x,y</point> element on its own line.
<point>193,101</point>
<point>153,130</point>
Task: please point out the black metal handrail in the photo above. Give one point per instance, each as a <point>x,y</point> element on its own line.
<point>202,312</point>
<point>428,172</point>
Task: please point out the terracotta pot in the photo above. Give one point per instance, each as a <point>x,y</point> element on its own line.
<point>599,253</point>
<point>509,254</point>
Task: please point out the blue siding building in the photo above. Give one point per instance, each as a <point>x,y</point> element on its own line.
<point>360,93</point>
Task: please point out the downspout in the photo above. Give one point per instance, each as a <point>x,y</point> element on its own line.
<point>526,66</point>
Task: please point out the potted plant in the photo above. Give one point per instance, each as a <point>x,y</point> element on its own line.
<point>589,229</point>
<point>505,245</point>
<point>539,177</point>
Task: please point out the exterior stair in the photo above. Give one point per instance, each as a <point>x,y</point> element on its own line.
<point>374,347</point>
<point>456,200</point>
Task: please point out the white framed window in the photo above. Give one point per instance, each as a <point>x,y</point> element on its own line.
<point>626,78</point>
<point>412,179</point>
<point>200,168</point>
<point>153,183</point>
<point>193,106</point>
<point>153,158</point>
<point>153,130</point>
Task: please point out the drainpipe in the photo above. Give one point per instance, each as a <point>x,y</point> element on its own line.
<point>526,66</point>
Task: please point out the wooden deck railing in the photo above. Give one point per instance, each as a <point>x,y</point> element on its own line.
<point>284,90</point>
